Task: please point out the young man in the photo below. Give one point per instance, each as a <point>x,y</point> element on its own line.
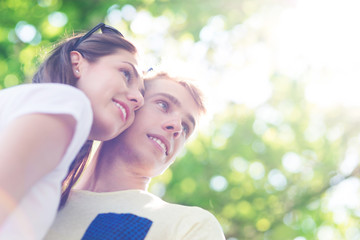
<point>111,200</point>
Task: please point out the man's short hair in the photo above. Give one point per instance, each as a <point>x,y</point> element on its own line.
<point>194,91</point>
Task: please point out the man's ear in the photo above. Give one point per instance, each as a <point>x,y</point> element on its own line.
<point>76,61</point>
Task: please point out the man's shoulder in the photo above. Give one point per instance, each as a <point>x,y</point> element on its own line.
<point>186,211</point>
<point>194,222</point>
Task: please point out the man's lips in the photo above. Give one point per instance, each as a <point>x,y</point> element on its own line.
<point>161,142</point>
<point>123,108</point>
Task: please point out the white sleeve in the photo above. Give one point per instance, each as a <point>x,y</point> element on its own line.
<point>36,211</point>
<point>49,98</point>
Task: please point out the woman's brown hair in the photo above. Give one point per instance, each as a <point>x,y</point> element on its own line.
<point>57,68</point>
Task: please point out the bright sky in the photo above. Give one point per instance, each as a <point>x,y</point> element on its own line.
<point>314,41</point>
<point>323,35</point>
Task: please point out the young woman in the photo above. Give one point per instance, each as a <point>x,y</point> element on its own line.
<point>90,88</point>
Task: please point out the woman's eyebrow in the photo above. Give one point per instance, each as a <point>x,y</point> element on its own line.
<point>137,74</point>
<point>134,68</point>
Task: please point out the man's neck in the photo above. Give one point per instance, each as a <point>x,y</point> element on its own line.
<point>102,175</point>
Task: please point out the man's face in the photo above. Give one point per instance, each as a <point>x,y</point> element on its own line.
<point>161,127</point>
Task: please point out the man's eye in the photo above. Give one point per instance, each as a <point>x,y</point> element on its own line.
<point>163,105</point>
<point>186,129</point>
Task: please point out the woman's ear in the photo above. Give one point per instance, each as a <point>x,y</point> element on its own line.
<point>76,61</point>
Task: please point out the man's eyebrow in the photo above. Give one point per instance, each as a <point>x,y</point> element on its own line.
<point>175,101</point>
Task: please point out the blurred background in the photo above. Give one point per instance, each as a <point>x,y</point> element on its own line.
<point>277,155</point>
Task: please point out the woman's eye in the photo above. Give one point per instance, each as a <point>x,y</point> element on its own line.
<point>127,75</point>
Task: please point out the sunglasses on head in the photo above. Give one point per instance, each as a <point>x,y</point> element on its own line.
<point>104,29</point>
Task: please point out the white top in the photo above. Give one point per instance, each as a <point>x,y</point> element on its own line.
<point>131,214</point>
<point>36,211</point>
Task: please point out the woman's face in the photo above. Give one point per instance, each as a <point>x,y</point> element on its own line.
<point>115,89</point>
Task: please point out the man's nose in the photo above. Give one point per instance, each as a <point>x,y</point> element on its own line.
<point>174,126</point>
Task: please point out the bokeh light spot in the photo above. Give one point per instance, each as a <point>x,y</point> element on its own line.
<point>11,80</point>
<point>218,183</point>
<point>257,170</point>
<point>114,16</point>
<point>277,179</point>
<point>263,225</point>
<point>57,19</point>
<point>239,164</point>
<point>25,32</point>
<point>229,211</point>
<point>292,162</point>
<point>188,185</point>
<point>128,12</point>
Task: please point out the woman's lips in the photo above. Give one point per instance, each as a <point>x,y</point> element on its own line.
<point>123,108</point>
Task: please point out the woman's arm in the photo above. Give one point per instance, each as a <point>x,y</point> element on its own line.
<point>30,147</point>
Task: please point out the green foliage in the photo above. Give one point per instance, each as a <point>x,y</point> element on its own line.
<point>19,60</point>
<point>247,150</point>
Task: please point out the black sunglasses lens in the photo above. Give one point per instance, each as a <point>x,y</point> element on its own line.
<point>108,29</point>
<point>104,29</point>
